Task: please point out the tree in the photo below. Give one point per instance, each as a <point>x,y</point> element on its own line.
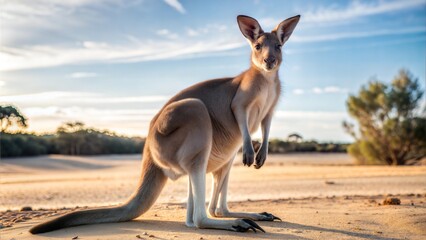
<point>71,137</point>
<point>294,137</point>
<point>10,115</point>
<point>391,123</point>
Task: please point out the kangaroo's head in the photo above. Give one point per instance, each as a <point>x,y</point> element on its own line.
<point>266,47</point>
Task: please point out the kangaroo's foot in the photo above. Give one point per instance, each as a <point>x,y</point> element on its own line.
<point>243,225</point>
<point>237,225</point>
<point>264,216</point>
<point>268,217</point>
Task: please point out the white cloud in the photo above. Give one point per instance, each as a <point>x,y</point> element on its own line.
<point>163,32</point>
<point>334,89</point>
<point>176,5</point>
<point>329,89</point>
<point>83,75</point>
<point>319,90</point>
<point>298,91</point>
<point>358,9</point>
<point>166,33</point>
<point>2,83</point>
<point>192,32</point>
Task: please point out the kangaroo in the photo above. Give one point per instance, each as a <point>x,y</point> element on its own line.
<point>199,131</point>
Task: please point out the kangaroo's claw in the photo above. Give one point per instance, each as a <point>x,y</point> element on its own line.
<point>247,224</point>
<point>269,217</point>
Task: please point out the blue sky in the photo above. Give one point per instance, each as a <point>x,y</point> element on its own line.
<point>113,63</point>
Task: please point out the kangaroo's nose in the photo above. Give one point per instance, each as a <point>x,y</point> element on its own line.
<point>269,60</point>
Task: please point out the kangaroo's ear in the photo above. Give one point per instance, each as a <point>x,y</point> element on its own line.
<point>249,27</point>
<point>285,28</point>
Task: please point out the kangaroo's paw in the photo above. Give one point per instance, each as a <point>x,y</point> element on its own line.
<point>243,225</point>
<point>268,217</point>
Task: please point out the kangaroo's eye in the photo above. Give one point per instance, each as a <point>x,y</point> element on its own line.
<point>257,47</point>
<point>278,47</point>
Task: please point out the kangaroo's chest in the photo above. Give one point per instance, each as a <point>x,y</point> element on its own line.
<point>262,105</point>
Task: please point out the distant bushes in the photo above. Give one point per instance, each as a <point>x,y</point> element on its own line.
<point>74,138</point>
<point>87,141</point>
<point>281,146</point>
<point>93,142</point>
<point>15,145</point>
<point>70,139</point>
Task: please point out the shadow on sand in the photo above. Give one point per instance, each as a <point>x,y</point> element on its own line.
<point>172,228</point>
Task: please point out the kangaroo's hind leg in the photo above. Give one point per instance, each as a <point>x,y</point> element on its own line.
<point>190,207</point>
<point>218,206</point>
<point>197,177</point>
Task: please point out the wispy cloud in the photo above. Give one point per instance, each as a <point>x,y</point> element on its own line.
<point>83,75</point>
<point>176,5</point>
<point>334,14</point>
<point>47,119</point>
<point>90,113</point>
<point>329,89</point>
<point>93,52</point>
<point>319,90</point>
<point>323,115</point>
<point>138,50</point>
<point>334,89</point>
<point>24,19</point>
<point>192,32</point>
<point>132,49</point>
<point>77,97</point>
<point>351,35</point>
<point>357,9</point>
<point>166,33</point>
<point>209,28</point>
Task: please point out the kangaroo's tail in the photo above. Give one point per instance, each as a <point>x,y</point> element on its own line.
<point>151,183</point>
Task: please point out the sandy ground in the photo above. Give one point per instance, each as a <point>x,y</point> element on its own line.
<point>318,196</point>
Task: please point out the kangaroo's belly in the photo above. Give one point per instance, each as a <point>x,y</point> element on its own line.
<point>218,160</point>
<point>225,145</point>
